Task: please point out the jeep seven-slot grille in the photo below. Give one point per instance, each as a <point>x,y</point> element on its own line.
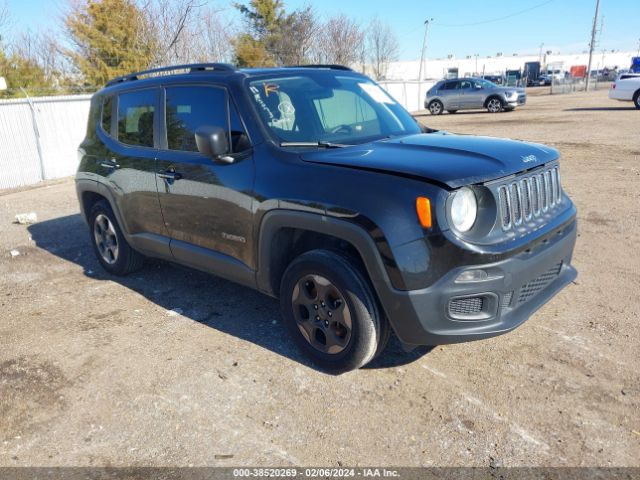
<point>529,196</point>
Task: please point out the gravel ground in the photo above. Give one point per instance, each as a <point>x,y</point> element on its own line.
<point>174,367</point>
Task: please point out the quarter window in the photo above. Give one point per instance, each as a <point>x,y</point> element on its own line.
<point>136,112</point>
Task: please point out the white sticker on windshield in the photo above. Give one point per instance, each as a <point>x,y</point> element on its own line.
<point>375,92</point>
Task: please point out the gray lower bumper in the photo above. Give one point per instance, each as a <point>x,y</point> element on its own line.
<point>517,287</point>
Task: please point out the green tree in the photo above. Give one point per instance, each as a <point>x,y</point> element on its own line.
<point>264,20</point>
<point>22,72</point>
<point>110,39</point>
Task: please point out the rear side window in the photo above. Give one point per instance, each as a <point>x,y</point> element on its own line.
<point>189,108</point>
<point>106,114</point>
<point>136,114</point>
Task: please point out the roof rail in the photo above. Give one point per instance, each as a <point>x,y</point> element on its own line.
<point>187,68</point>
<point>331,66</point>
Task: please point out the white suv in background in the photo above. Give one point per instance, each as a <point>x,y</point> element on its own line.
<point>626,88</point>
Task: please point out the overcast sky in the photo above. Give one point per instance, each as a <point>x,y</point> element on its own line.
<point>460,27</point>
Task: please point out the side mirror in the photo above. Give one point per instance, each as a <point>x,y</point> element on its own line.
<point>213,143</point>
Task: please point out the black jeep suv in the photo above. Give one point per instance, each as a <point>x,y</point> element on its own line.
<point>315,186</point>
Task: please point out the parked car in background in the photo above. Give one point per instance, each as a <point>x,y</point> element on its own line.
<point>497,79</point>
<point>472,93</point>
<point>626,88</point>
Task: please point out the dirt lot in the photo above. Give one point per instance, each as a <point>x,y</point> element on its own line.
<point>94,370</point>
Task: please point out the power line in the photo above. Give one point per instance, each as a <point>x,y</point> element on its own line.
<point>497,19</point>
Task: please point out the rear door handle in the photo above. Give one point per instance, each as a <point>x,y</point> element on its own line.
<point>170,175</point>
<point>110,164</point>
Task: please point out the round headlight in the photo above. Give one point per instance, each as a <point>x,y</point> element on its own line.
<point>464,209</point>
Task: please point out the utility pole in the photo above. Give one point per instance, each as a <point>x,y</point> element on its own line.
<point>476,70</point>
<point>638,52</point>
<point>592,44</point>
<point>540,54</point>
<point>424,47</point>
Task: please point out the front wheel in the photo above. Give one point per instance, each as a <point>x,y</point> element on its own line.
<point>331,311</point>
<point>636,99</point>
<point>436,107</point>
<point>494,105</point>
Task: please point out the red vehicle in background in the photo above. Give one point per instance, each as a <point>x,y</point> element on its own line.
<point>578,71</point>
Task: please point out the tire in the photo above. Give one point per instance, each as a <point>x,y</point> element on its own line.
<point>436,107</point>
<point>452,111</point>
<point>494,105</point>
<point>111,248</point>
<point>331,311</point>
<point>636,99</point>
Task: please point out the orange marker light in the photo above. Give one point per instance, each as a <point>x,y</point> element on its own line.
<point>423,208</point>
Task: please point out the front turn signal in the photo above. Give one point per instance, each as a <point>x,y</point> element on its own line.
<point>423,208</point>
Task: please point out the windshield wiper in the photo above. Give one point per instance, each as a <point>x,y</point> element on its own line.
<point>313,144</point>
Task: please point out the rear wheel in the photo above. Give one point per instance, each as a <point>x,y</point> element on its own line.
<point>636,99</point>
<point>436,107</point>
<point>111,248</point>
<point>331,311</point>
<point>494,105</point>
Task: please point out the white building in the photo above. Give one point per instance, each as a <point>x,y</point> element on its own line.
<point>436,68</point>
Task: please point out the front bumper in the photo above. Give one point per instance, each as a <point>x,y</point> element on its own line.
<point>517,102</point>
<point>451,312</point>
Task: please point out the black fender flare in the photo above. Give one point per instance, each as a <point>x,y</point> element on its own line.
<point>345,230</point>
<point>87,185</point>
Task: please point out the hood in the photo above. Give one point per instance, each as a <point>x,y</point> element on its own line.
<point>453,160</point>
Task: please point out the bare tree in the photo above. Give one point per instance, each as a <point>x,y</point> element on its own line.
<point>214,37</point>
<point>42,48</point>
<point>184,31</point>
<point>339,41</point>
<point>382,45</point>
<point>295,40</point>
<point>4,19</point>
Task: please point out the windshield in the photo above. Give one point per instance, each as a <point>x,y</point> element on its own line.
<point>325,107</point>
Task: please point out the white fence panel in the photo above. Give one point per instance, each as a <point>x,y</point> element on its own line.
<point>19,163</point>
<point>60,126</point>
<point>410,94</point>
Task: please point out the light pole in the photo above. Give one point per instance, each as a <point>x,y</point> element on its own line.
<point>592,44</point>
<point>475,73</point>
<point>638,52</point>
<point>424,47</point>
